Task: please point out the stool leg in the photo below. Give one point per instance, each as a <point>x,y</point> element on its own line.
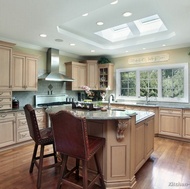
<point>40,167</point>
<point>100,172</point>
<point>77,169</point>
<point>63,170</point>
<point>54,151</point>
<point>85,174</point>
<point>33,158</point>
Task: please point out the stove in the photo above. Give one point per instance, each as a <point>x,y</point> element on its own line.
<point>52,100</point>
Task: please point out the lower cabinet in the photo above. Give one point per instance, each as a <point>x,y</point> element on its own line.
<point>186,123</point>
<point>171,122</point>
<point>22,127</point>
<point>144,143</point>
<point>14,128</point>
<point>7,129</point>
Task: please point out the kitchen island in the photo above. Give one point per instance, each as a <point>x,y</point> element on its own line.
<point>129,142</point>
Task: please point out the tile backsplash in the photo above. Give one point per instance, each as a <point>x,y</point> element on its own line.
<point>44,87</point>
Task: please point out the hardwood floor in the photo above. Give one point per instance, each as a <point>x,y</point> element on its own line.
<point>168,167</point>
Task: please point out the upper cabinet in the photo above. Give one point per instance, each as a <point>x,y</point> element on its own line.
<point>24,72</point>
<point>6,65</point>
<point>92,74</point>
<point>77,71</point>
<point>105,76</point>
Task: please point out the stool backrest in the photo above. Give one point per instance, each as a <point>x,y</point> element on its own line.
<point>32,122</point>
<point>70,134</point>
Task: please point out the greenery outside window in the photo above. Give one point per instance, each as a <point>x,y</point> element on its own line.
<point>167,83</point>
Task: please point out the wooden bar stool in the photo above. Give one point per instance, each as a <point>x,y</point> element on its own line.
<point>41,137</point>
<point>71,140</point>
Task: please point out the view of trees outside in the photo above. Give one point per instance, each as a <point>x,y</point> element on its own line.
<point>173,82</point>
<point>149,83</point>
<point>128,83</point>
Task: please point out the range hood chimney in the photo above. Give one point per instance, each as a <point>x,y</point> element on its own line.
<point>53,73</point>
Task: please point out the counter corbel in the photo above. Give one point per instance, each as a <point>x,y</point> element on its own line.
<point>121,126</point>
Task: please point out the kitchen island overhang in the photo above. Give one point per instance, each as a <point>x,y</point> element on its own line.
<point>119,156</point>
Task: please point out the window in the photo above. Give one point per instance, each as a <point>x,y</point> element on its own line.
<point>167,83</point>
<point>128,83</point>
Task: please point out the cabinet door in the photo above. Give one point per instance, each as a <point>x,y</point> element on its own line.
<point>7,129</point>
<point>105,76</point>
<point>24,73</point>
<point>31,74</point>
<point>18,72</point>
<point>139,145</point>
<point>171,122</point>
<point>5,67</point>
<point>149,137</point>
<point>186,123</point>
<point>92,75</point>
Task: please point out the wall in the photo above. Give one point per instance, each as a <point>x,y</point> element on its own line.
<point>175,56</point>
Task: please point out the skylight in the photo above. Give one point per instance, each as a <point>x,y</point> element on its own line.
<point>144,26</point>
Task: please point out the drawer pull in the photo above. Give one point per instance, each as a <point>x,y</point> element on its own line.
<point>1,93</point>
<point>1,106</point>
<point>3,115</point>
<point>1,99</point>
<point>23,123</point>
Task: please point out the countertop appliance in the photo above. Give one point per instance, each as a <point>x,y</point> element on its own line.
<point>52,100</point>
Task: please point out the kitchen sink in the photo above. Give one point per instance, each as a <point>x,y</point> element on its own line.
<point>117,109</point>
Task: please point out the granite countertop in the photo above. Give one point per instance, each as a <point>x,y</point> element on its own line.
<point>105,115</point>
<point>152,104</point>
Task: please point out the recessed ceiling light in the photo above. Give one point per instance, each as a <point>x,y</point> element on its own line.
<point>127,14</point>
<point>114,2</point>
<point>85,14</point>
<point>99,23</point>
<point>43,35</point>
<point>144,48</point>
<point>163,45</point>
<point>72,44</point>
<point>58,40</point>
<point>126,51</point>
<point>92,51</point>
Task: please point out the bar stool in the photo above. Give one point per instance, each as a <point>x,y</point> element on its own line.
<point>41,137</point>
<point>71,140</point>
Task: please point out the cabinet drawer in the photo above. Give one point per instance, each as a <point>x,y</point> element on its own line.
<point>5,100</point>
<point>23,136</point>
<point>9,115</point>
<point>39,111</point>
<point>5,106</point>
<point>22,123</point>
<point>20,114</point>
<point>5,93</point>
<point>170,111</point>
<point>186,112</point>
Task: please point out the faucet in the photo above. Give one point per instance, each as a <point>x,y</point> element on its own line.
<point>109,100</point>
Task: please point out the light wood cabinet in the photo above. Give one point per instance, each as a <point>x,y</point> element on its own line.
<point>92,74</point>
<point>77,71</point>
<point>6,65</point>
<point>170,122</point>
<point>22,126</point>
<point>105,76</point>
<point>24,72</point>
<point>5,99</point>
<point>144,142</point>
<point>7,129</point>
<point>186,123</point>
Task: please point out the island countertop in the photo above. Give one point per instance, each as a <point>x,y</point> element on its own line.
<point>104,115</point>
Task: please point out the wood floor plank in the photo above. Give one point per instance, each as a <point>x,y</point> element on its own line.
<point>168,168</point>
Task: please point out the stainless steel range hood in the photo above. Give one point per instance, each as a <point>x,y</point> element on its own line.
<point>53,73</point>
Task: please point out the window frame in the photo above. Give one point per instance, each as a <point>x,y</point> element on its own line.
<point>159,68</point>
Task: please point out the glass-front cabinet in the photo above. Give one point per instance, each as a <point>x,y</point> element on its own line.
<point>105,76</point>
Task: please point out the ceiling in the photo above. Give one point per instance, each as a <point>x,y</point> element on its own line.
<point>23,21</point>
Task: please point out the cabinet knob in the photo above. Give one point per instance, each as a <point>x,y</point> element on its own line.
<point>3,115</point>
